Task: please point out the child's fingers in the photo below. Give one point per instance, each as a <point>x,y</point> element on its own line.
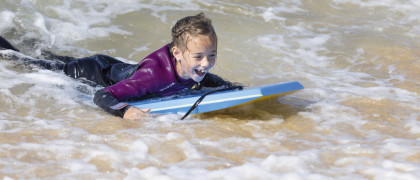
<point>135,113</point>
<point>146,110</point>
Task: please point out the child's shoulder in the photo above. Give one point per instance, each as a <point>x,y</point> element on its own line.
<point>159,63</point>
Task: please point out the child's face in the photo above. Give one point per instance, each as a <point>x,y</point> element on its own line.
<point>198,58</point>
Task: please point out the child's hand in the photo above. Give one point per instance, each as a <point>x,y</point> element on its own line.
<point>135,113</point>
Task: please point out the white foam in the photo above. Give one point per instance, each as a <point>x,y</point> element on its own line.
<point>274,13</point>
<point>147,173</point>
<point>62,118</point>
<point>190,150</point>
<point>244,171</point>
<point>413,124</point>
<point>138,149</point>
<point>269,15</point>
<point>303,49</point>
<point>7,178</point>
<point>6,19</point>
<point>294,163</point>
<point>408,5</point>
<point>385,173</point>
<point>47,77</point>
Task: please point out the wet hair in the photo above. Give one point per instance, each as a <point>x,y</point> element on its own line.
<point>192,26</point>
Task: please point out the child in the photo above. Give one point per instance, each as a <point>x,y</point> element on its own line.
<point>182,64</point>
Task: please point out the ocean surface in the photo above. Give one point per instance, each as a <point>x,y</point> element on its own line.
<point>357,118</point>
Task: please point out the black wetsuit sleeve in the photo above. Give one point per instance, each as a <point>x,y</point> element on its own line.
<point>109,103</point>
<point>212,80</point>
<point>4,44</point>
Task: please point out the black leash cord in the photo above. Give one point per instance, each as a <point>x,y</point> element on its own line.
<point>207,93</point>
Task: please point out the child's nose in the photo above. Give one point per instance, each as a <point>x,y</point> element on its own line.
<point>205,62</point>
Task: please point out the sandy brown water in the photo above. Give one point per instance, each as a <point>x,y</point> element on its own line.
<point>357,118</point>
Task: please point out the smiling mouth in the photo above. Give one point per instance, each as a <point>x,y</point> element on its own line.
<point>200,72</point>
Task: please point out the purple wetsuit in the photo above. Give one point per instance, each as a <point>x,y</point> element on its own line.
<point>156,74</point>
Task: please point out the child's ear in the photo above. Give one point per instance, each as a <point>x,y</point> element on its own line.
<point>177,53</point>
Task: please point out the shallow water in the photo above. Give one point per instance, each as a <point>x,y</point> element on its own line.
<point>357,118</point>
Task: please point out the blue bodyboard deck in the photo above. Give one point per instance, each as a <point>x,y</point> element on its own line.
<point>219,100</point>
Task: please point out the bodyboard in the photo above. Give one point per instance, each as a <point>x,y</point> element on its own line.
<point>219,100</point>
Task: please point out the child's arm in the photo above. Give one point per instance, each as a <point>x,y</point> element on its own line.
<point>109,103</point>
